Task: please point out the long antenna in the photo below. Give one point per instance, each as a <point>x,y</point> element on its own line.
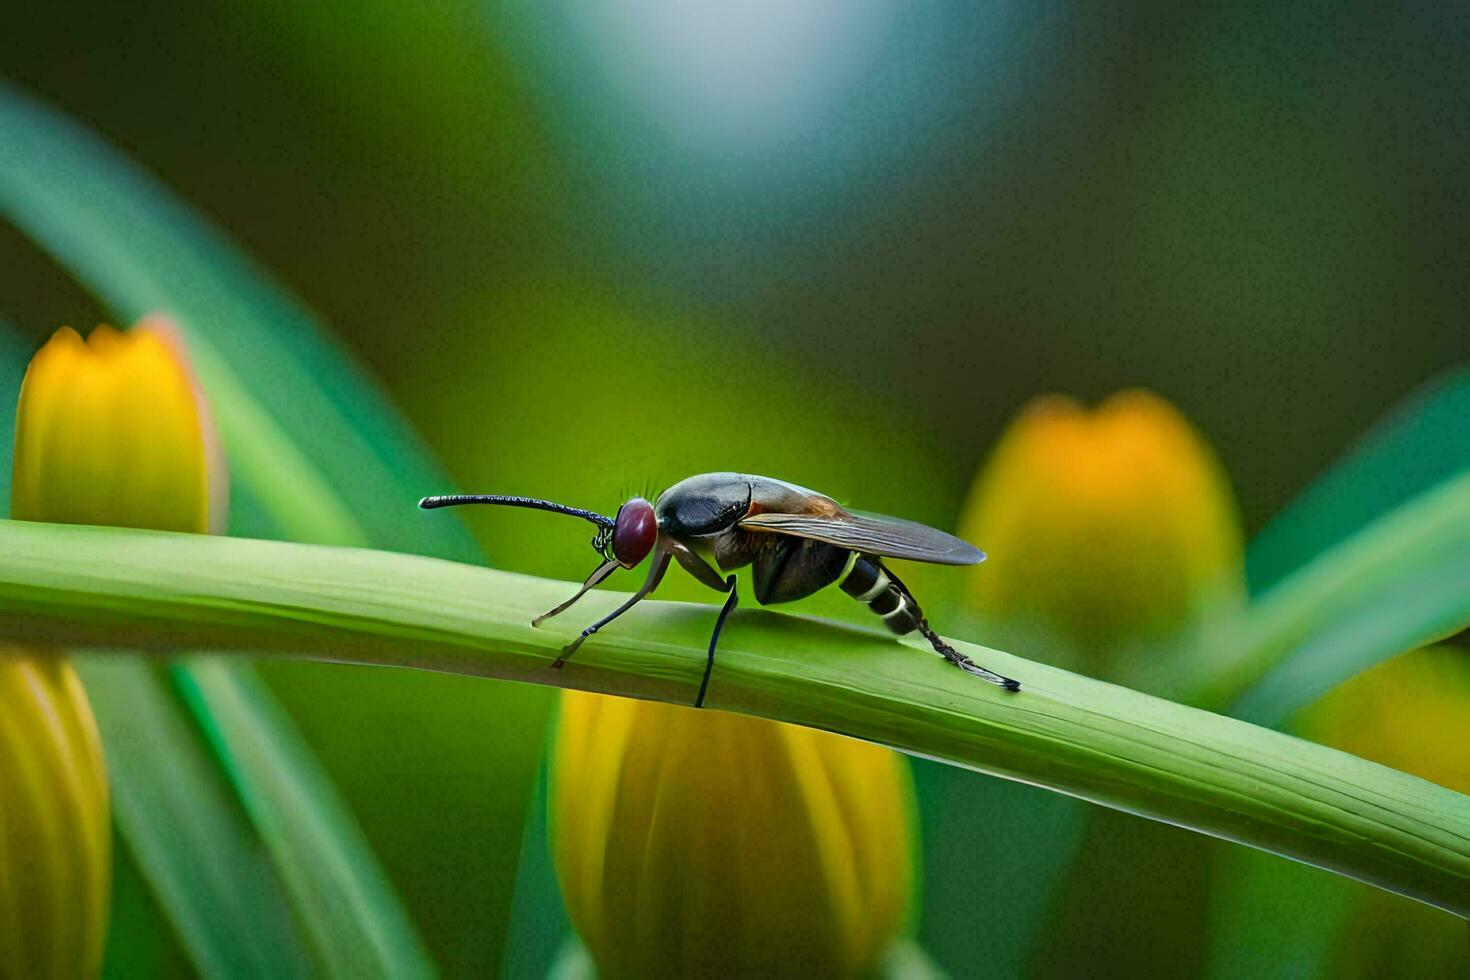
<point>455,499</point>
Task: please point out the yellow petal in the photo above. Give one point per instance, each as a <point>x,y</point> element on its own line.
<point>706,843</point>
<point>54,823</point>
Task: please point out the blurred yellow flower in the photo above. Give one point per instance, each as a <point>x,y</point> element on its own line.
<point>113,430</point>
<point>1410,713</point>
<point>108,431</point>
<point>54,832</point>
<point>1110,527</point>
<point>700,843</point>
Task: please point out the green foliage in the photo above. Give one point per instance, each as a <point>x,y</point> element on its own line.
<point>66,585</point>
<point>1392,586</point>
<point>193,844</point>
<point>1396,585</point>
<point>1002,850</point>
<point>1419,444</point>
<point>315,454</point>
<point>140,941</point>
<point>350,913</point>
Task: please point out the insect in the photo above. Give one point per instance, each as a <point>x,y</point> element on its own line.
<point>797,541</point>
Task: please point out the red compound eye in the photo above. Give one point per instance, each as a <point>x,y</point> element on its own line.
<point>635,532</point>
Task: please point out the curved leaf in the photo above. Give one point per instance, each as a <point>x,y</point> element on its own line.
<point>1420,443</point>
<point>190,838</point>
<point>1103,743</point>
<point>1396,585</point>
<point>298,813</point>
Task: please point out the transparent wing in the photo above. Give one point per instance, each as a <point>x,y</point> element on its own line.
<point>874,534</point>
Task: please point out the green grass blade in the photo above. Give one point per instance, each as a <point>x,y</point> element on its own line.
<point>299,815</point>
<point>1395,585</point>
<point>1086,738</point>
<point>1419,444</point>
<point>188,834</point>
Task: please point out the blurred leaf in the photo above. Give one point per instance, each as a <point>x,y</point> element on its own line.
<point>572,962</point>
<point>405,744</point>
<point>316,454</point>
<point>1271,918</point>
<point>140,942</point>
<point>1422,442</point>
<point>1134,903</point>
<point>1396,585</point>
<point>907,960</point>
<point>1383,938</point>
<point>539,923</point>
<point>1398,505</point>
<point>357,927</point>
<point>68,585</point>
<point>191,839</point>
<point>999,849</point>
<point>15,353</point>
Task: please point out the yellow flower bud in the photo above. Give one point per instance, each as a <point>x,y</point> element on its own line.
<point>113,430</point>
<point>54,831</point>
<point>1408,713</point>
<point>702,843</point>
<point>1110,527</point>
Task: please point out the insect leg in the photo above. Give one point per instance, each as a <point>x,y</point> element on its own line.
<point>596,578</point>
<point>698,567</point>
<point>944,649</point>
<point>655,575</point>
<point>709,663</point>
<point>963,662</point>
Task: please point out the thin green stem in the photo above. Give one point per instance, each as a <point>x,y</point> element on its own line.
<point>76,586</point>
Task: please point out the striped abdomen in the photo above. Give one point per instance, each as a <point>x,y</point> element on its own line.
<point>866,581</point>
<point>788,568</point>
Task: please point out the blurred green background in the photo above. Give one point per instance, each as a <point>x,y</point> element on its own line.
<point>593,249</point>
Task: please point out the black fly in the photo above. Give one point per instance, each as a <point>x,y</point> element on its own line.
<point>796,541</point>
